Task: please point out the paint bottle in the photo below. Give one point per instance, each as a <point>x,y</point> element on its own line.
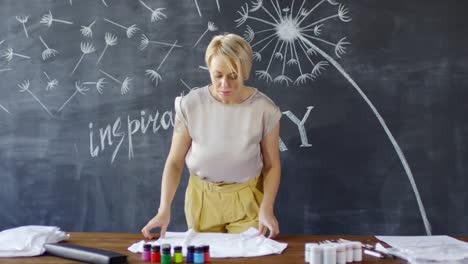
<point>155,254</point>
<point>166,255</point>
<point>146,254</point>
<point>357,251</point>
<point>206,253</point>
<point>198,256</point>
<point>178,258</point>
<point>328,254</point>
<point>190,252</point>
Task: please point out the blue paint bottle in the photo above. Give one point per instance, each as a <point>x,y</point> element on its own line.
<point>190,253</point>
<point>198,256</point>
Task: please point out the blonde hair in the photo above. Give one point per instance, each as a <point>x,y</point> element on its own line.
<point>235,50</point>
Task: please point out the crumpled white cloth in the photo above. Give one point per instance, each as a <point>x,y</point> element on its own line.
<point>222,245</point>
<point>26,241</point>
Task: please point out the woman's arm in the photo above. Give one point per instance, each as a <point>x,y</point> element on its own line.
<point>181,142</point>
<point>271,180</point>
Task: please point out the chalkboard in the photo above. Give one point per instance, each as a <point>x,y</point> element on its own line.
<point>373,93</point>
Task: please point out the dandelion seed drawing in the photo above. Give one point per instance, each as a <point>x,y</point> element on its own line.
<point>154,74</point>
<point>111,40</point>
<point>156,14</point>
<point>99,84</point>
<point>145,41</point>
<point>48,52</point>
<point>3,70</point>
<point>78,89</point>
<point>125,85</point>
<point>23,20</point>
<point>129,30</point>
<point>48,19</point>
<point>51,83</point>
<point>186,86</point>
<point>211,27</point>
<point>87,31</point>
<point>9,54</point>
<point>1,41</point>
<point>24,87</point>
<point>104,3</point>
<point>4,109</point>
<point>86,48</point>
<point>286,26</point>
<point>203,67</point>
<point>198,7</point>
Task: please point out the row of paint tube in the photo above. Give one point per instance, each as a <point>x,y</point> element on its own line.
<point>333,252</point>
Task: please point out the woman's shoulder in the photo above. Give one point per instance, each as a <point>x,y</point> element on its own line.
<point>194,96</point>
<point>263,100</point>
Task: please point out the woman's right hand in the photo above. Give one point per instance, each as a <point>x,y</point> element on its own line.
<point>160,220</point>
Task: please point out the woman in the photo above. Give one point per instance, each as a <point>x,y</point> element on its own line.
<point>228,135</point>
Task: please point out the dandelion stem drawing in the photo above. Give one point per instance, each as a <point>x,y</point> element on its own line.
<point>129,30</point>
<point>48,52</point>
<point>289,30</point>
<point>1,41</point>
<point>211,27</point>
<point>24,87</point>
<point>125,85</point>
<point>145,41</point>
<point>154,74</point>
<point>86,48</point>
<point>51,83</point>
<point>104,3</point>
<point>99,84</point>
<point>156,14</point>
<point>6,69</point>
<point>111,40</point>
<point>9,55</point>
<point>78,89</point>
<point>23,20</point>
<point>87,31</point>
<point>48,19</point>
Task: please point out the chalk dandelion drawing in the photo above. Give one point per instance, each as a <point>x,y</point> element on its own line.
<point>125,85</point>
<point>87,31</point>
<point>86,48</point>
<point>6,69</point>
<point>111,40</point>
<point>154,74</point>
<point>211,27</point>
<point>145,41</point>
<point>9,54</point>
<point>78,89</point>
<point>23,20</point>
<point>48,19</point>
<point>156,14</point>
<point>129,30</point>
<point>24,87</point>
<point>51,83</point>
<point>198,7</point>
<point>48,52</point>
<point>288,29</point>
<point>99,84</point>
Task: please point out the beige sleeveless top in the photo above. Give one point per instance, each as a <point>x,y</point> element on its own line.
<point>226,137</point>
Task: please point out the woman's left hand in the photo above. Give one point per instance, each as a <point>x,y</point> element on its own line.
<point>267,219</point>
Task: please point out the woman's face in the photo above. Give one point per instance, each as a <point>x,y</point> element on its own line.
<point>226,85</point>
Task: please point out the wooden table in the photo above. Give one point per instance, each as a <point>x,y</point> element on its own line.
<point>119,242</point>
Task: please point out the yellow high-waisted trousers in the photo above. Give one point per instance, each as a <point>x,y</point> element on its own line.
<point>222,207</point>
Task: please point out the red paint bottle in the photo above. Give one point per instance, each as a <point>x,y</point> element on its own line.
<point>206,253</point>
<point>156,254</point>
